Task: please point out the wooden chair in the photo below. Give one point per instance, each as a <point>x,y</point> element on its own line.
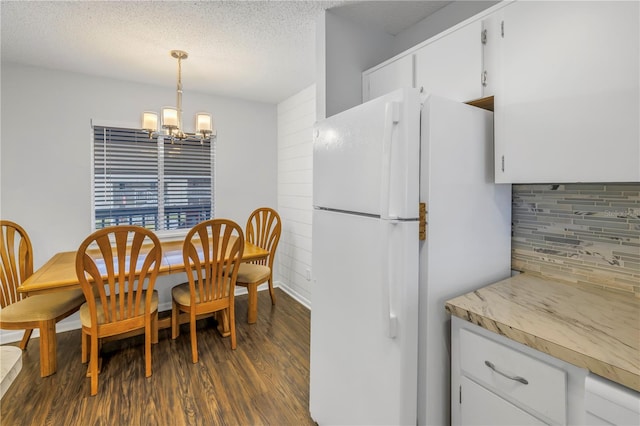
<point>263,229</point>
<point>117,269</point>
<point>212,253</point>
<point>20,312</point>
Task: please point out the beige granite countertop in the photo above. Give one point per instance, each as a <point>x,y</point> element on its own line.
<point>583,325</point>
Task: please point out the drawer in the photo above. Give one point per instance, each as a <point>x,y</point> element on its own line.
<point>526,381</point>
<point>608,403</point>
<point>481,407</point>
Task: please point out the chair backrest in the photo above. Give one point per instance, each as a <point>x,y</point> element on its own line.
<point>263,229</point>
<point>212,253</point>
<point>115,265</point>
<point>16,258</point>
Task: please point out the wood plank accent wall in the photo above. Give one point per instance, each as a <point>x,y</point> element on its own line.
<point>296,116</point>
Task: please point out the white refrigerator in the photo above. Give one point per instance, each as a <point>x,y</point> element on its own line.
<point>379,330</point>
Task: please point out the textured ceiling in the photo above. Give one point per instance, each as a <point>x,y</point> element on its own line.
<point>258,50</point>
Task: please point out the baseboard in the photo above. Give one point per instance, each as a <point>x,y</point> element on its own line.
<point>72,323</point>
<point>301,299</point>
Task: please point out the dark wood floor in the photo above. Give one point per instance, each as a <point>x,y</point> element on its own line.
<point>264,381</point>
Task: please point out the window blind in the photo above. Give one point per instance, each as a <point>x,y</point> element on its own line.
<point>151,182</point>
<point>188,183</point>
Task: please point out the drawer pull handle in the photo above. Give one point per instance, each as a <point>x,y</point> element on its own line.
<point>516,378</point>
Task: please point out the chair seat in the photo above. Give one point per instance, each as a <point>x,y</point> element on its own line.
<point>182,295</point>
<point>42,307</point>
<point>85,314</point>
<point>252,273</point>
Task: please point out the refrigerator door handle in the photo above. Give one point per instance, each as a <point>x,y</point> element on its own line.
<point>390,317</point>
<point>391,119</point>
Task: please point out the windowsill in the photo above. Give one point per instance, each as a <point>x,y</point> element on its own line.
<point>173,235</point>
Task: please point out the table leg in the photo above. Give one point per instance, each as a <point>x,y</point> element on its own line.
<point>222,317</point>
<point>48,343</point>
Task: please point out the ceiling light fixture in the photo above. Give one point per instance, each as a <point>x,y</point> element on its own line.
<point>172,117</point>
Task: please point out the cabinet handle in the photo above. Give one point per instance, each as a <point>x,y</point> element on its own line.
<point>516,378</point>
<point>484,78</point>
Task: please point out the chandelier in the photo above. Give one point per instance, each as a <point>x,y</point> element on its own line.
<point>172,117</point>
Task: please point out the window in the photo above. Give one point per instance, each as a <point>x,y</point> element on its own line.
<point>151,182</point>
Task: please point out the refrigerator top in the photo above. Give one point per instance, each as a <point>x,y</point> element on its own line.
<point>366,160</point>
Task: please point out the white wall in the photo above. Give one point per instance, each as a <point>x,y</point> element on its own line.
<point>296,116</point>
<point>343,51</point>
<point>443,19</point>
<point>45,142</point>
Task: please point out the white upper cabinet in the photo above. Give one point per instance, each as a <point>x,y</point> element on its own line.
<point>491,38</point>
<point>387,78</point>
<point>567,104</point>
<point>451,66</point>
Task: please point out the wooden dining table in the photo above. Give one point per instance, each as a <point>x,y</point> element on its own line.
<point>59,273</point>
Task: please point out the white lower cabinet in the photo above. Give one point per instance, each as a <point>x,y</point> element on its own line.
<point>526,381</point>
<point>497,381</point>
<point>607,403</point>
<point>483,407</point>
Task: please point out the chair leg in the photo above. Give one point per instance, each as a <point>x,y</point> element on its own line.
<point>252,314</point>
<point>232,326</point>
<point>194,341</point>
<point>148,337</point>
<point>272,293</point>
<point>85,347</point>
<point>93,364</point>
<point>25,338</point>
<point>223,322</point>
<point>154,327</point>
<point>48,357</point>
<point>175,312</point>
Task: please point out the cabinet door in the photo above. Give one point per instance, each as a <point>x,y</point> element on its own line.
<point>451,66</point>
<point>568,107</point>
<point>479,406</point>
<point>394,75</point>
<point>491,42</point>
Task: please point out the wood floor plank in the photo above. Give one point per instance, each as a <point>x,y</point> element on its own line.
<point>265,381</point>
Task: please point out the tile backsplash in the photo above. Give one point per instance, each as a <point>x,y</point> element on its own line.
<point>588,233</point>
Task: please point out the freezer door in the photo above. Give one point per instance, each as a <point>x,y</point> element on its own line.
<point>366,159</point>
<point>364,320</point>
